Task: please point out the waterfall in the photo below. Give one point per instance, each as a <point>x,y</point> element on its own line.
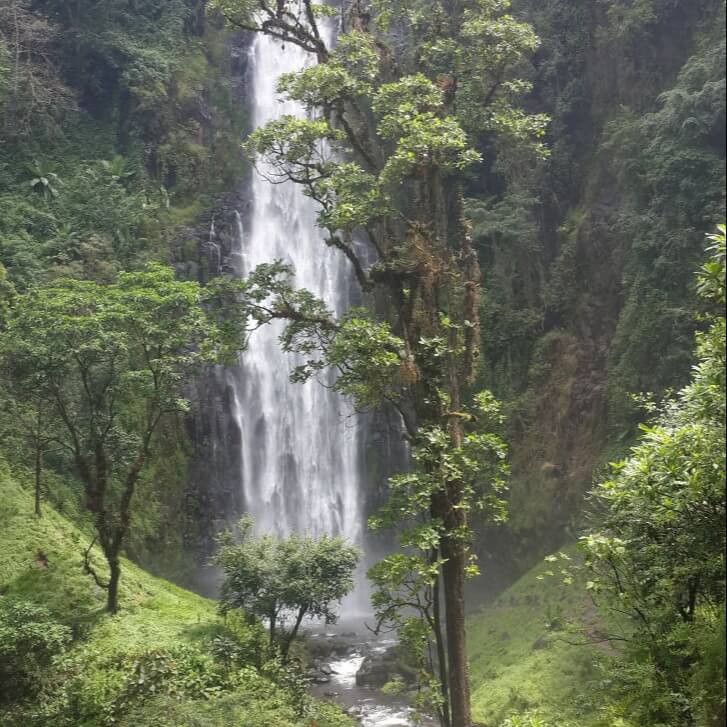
<point>301,451</point>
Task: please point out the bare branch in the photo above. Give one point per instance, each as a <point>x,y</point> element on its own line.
<point>88,568</point>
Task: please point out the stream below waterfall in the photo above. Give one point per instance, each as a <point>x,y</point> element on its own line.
<point>369,706</point>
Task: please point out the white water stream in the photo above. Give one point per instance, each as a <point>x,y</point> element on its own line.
<point>370,706</point>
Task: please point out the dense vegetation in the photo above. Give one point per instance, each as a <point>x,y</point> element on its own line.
<point>120,122</point>
<point>167,658</point>
<point>537,223</point>
<point>589,258</point>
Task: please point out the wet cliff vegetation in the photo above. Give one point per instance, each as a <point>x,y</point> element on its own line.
<point>590,257</point>
<point>538,180</point>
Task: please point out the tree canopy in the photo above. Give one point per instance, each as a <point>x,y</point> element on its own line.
<point>109,362</point>
<point>284,580</point>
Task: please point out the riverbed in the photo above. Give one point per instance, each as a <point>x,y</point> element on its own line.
<point>369,706</point>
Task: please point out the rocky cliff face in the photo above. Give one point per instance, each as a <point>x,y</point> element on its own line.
<point>589,258</point>
<point>213,497</point>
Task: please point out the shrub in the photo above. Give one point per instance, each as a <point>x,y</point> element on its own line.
<point>29,639</point>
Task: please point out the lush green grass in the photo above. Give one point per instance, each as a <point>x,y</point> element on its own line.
<point>41,561</point>
<point>520,659</point>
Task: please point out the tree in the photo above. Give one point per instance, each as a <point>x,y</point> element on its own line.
<point>7,291</point>
<point>395,108</point>
<point>658,557</point>
<point>31,89</point>
<point>108,363</point>
<point>408,591</point>
<point>25,423</point>
<point>284,579</point>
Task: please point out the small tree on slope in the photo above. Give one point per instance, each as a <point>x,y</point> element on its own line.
<point>109,362</point>
<point>284,579</point>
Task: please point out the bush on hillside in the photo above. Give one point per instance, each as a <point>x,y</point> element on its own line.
<point>29,639</point>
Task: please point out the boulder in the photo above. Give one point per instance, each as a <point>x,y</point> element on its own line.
<point>379,668</point>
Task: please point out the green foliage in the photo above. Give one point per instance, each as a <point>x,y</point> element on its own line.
<point>260,704</point>
<point>95,347</point>
<point>364,352</point>
<point>107,363</point>
<point>527,663</point>
<point>711,283</point>
<point>659,558</point>
<point>413,123</point>
<point>406,595</point>
<point>29,639</point>
<point>6,294</point>
<point>415,129</point>
<point>4,71</point>
<point>673,168</point>
<point>529,719</point>
<point>404,599</point>
<point>265,708</point>
<point>633,20</point>
<point>140,77</point>
<point>135,47</point>
<point>587,271</point>
<point>118,125</point>
<point>155,662</point>
<point>241,642</point>
<point>281,580</point>
<point>480,463</point>
<point>33,95</point>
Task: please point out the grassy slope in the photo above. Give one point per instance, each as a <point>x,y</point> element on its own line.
<point>516,661</point>
<point>519,661</point>
<point>41,560</point>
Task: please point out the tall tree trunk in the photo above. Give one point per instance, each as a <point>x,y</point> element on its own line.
<point>441,651</point>
<point>454,554</point>
<point>453,572</point>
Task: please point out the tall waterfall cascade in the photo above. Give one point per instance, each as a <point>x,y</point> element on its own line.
<point>301,443</point>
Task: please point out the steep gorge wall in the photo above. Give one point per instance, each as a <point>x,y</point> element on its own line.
<point>589,259</point>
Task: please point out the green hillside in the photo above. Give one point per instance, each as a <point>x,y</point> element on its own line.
<point>41,560</point>
<point>526,655</point>
<point>152,663</point>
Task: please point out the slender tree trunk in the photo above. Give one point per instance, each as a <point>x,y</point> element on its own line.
<point>112,595</point>
<point>38,478</point>
<point>273,618</point>
<point>441,652</point>
<point>454,553</point>
<point>289,641</point>
<point>453,572</point>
